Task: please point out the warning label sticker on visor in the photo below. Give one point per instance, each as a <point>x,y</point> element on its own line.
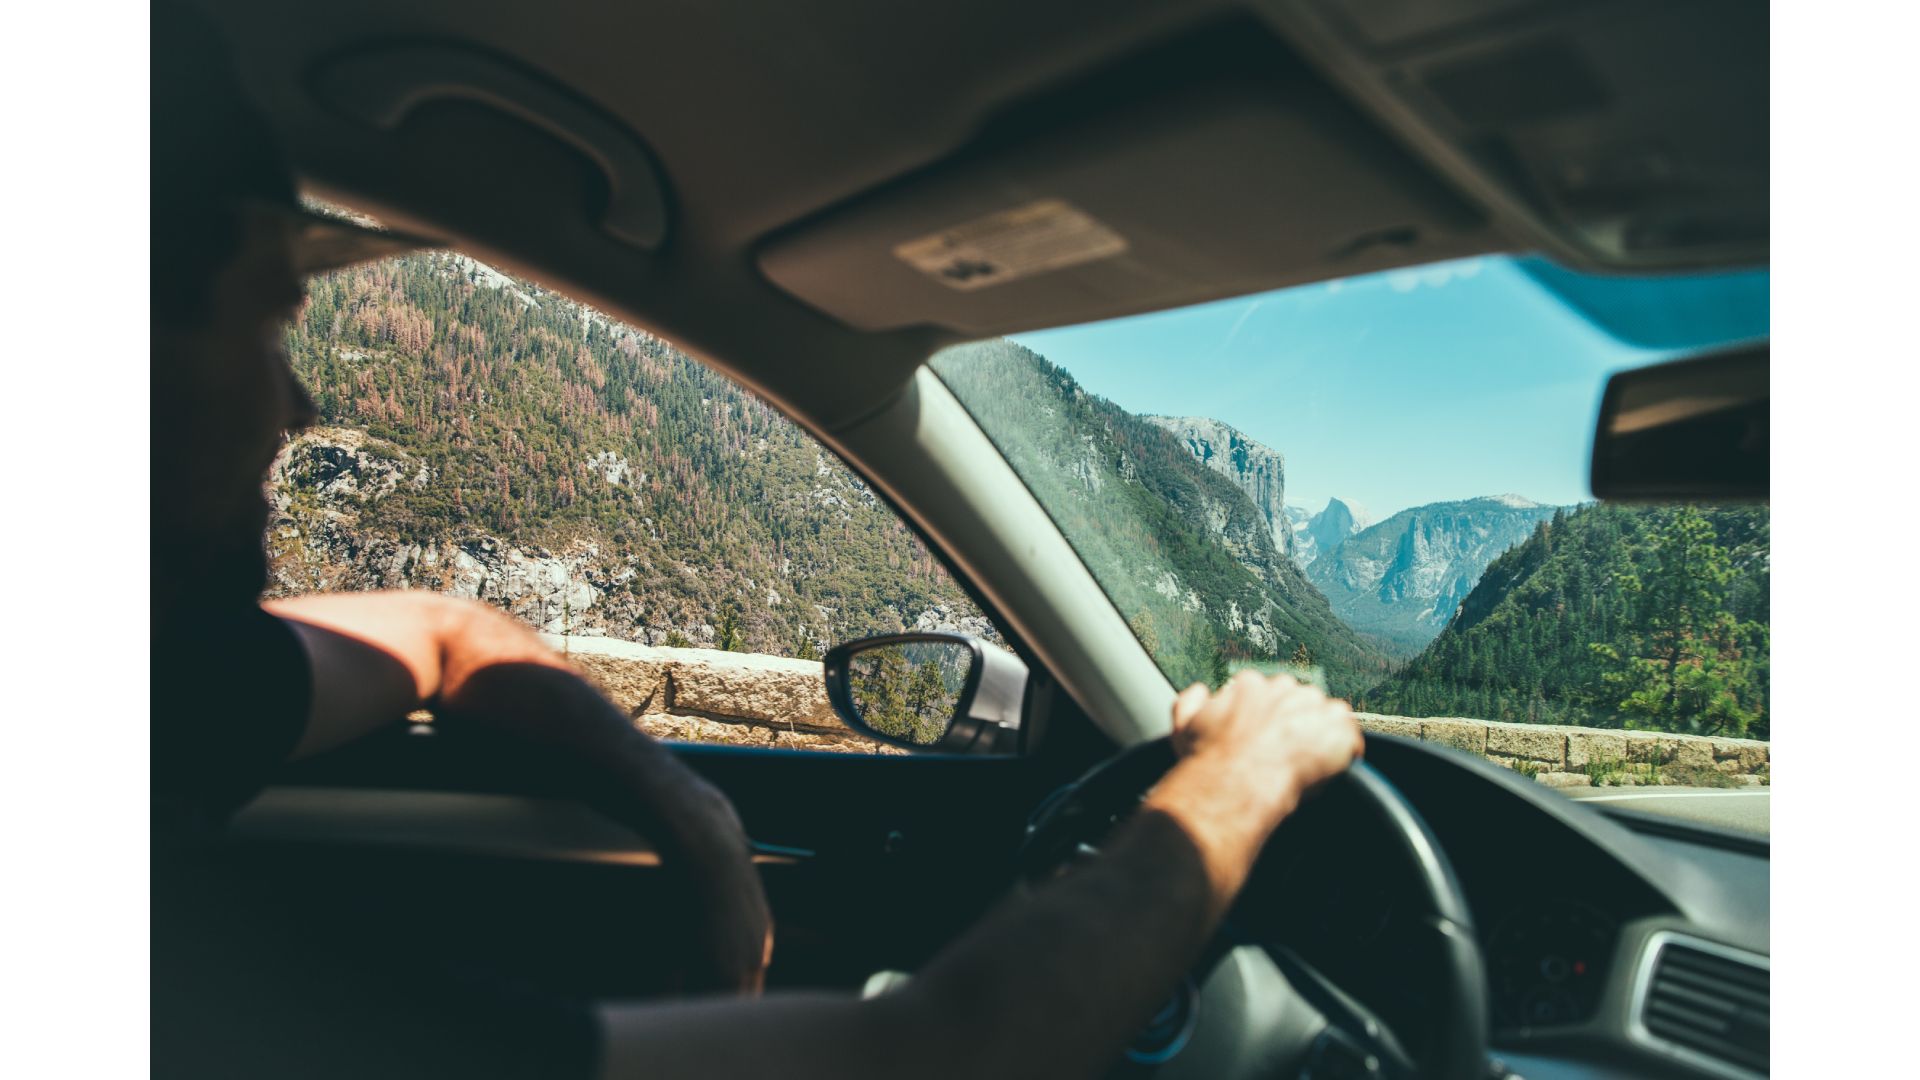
<point>1026,240</point>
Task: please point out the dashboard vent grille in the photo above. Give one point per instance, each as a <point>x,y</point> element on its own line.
<point>1709,1002</point>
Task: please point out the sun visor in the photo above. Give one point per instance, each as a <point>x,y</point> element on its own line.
<point>1214,188</point>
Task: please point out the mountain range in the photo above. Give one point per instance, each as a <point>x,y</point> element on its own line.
<point>1401,580</point>
<point>1397,582</point>
<point>1161,512</point>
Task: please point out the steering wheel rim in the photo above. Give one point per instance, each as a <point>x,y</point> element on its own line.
<point>1066,825</point>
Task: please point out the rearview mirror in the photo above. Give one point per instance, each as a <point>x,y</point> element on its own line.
<point>945,693</point>
<point>1692,430</point>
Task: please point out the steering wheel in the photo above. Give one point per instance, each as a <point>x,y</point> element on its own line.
<point>1248,1010</point>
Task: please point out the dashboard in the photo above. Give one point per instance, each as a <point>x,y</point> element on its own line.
<point>1612,945</point>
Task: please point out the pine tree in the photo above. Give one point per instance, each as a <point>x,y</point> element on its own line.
<point>1200,654</point>
<point>877,681</point>
<point>1686,671</point>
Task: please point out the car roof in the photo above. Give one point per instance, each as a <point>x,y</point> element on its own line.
<point>814,197</point>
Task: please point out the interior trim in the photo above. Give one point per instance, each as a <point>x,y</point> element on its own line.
<point>442,822</point>
<point>1692,832</point>
<point>945,474</point>
<point>1643,984</point>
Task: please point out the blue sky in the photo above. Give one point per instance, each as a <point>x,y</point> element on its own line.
<point>1390,390</point>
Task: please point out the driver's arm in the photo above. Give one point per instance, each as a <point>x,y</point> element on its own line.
<point>1052,985</point>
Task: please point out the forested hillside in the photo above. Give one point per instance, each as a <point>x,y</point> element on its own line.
<point>482,436</point>
<point>1187,556</point>
<point>1643,617</point>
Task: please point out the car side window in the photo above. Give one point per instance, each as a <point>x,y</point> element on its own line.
<point>685,545</point>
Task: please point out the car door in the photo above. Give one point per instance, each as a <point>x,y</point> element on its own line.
<point>484,849</point>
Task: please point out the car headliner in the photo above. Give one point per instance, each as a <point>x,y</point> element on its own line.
<point>1237,147</point>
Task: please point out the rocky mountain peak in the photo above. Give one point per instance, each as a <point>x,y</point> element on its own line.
<point>1344,514</point>
<point>1257,469</point>
<point>1328,529</point>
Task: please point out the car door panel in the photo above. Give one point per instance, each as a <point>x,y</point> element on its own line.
<point>481,847</point>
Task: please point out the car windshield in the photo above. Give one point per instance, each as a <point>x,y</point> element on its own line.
<point>1380,483</point>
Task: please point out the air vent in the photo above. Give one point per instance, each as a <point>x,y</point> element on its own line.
<point>1705,1003</point>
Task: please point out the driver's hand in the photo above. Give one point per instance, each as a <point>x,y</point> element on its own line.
<point>1258,729</point>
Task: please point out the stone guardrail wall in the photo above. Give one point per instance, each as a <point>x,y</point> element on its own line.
<point>748,699</point>
<point>706,695</point>
<point>1579,757</point>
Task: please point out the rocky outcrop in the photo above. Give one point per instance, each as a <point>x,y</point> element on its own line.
<point>326,491</point>
<point>1257,469</point>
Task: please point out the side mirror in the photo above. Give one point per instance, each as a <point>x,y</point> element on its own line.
<point>1693,429</point>
<point>944,693</point>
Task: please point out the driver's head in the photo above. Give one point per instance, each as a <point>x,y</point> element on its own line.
<point>231,248</point>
